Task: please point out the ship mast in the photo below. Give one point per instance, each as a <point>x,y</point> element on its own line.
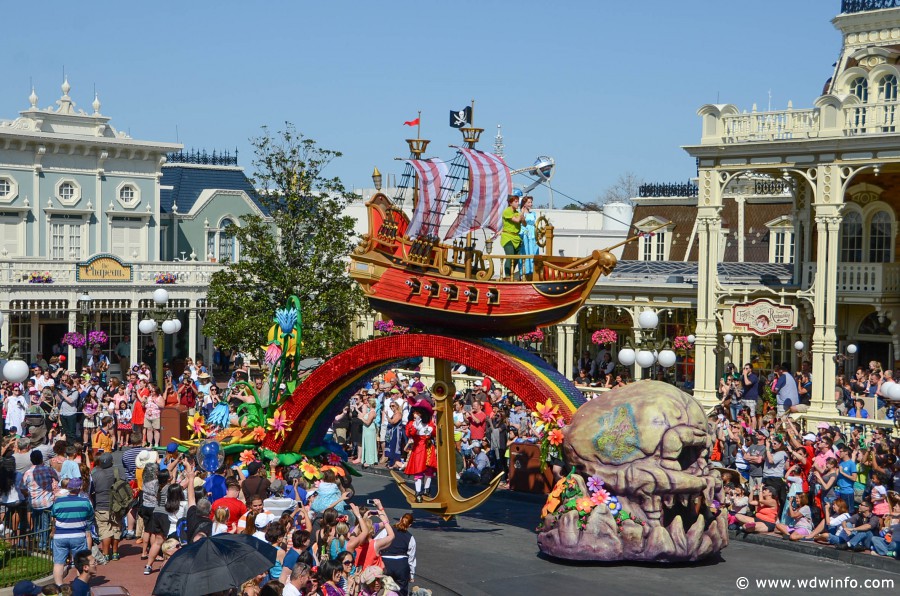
<point>470,135</point>
<point>417,147</point>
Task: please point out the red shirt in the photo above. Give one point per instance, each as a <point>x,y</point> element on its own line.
<point>236,509</point>
<point>477,426</point>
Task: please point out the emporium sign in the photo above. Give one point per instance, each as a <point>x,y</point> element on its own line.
<point>763,317</point>
<point>103,268</point>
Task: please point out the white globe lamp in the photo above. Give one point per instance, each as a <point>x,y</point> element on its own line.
<point>626,356</point>
<point>645,359</point>
<point>648,319</point>
<point>666,358</point>
<point>177,325</point>
<point>887,388</point>
<point>895,392</point>
<point>15,371</point>
<point>851,348</point>
<point>168,326</point>
<point>147,326</point>
<point>798,345</point>
<point>691,338</point>
<point>161,297</point>
<point>728,338</point>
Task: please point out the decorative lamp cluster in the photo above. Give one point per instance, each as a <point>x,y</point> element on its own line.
<point>15,369</point>
<point>648,353</point>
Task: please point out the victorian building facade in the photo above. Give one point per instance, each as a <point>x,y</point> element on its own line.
<point>92,221</point>
<point>792,216</point>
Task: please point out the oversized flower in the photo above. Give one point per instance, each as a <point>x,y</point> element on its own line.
<point>584,504</point>
<point>559,488</point>
<point>612,503</point>
<point>258,434</point>
<point>310,471</point>
<point>547,411</point>
<point>248,456</point>
<point>594,483</point>
<point>334,459</point>
<point>197,426</point>
<point>280,424</point>
<point>550,506</point>
<point>273,353</point>
<point>600,497</point>
<point>286,319</point>
<point>556,437</point>
<point>339,470</point>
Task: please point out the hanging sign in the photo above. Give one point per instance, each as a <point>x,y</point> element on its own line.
<point>764,317</point>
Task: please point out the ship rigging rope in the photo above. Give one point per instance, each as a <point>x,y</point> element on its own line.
<point>587,206</point>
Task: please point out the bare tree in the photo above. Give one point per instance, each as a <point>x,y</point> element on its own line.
<point>622,190</point>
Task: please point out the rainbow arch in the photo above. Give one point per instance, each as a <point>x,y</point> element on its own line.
<point>315,402</point>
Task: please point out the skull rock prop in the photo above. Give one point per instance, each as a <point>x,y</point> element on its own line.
<point>647,445</point>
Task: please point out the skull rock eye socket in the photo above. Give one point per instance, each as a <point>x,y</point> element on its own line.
<point>688,456</point>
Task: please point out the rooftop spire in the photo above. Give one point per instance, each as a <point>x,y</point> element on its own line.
<point>33,98</point>
<point>498,143</point>
<point>66,106</point>
<point>66,87</point>
<point>96,104</point>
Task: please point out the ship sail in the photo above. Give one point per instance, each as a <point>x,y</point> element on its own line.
<point>427,216</point>
<point>489,185</point>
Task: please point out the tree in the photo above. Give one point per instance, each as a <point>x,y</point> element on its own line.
<point>302,250</point>
<point>624,189</point>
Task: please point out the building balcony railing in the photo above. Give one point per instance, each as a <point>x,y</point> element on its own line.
<point>37,272</point>
<point>835,117</point>
<point>861,278</point>
<point>850,6</point>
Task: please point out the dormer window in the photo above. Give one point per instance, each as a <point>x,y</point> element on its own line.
<point>654,241</point>
<point>860,88</point>
<point>68,192</point>
<point>128,194</point>
<point>781,240</point>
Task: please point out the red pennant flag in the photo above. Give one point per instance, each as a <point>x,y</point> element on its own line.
<point>412,122</point>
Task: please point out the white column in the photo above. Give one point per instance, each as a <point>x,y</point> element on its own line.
<point>70,351</point>
<point>824,340</point>
<point>135,334</point>
<point>570,351</point>
<point>561,349</point>
<point>192,331</point>
<point>741,230</point>
<point>4,329</point>
<point>708,231</point>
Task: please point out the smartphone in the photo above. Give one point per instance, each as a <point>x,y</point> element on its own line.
<point>370,502</point>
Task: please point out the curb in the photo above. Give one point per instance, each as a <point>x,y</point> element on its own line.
<point>817,550</point>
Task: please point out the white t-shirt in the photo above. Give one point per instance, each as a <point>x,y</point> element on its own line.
<point>290,590</point>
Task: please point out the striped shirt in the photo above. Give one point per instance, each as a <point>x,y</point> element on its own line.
<point>73,516</point>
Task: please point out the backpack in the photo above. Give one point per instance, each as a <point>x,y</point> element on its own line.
<point>120,496</point>
<point>181,531</point>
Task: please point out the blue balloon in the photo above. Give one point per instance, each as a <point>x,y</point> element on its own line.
<point>211,464</point>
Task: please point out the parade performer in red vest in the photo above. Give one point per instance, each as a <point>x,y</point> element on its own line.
<point>422,462</point>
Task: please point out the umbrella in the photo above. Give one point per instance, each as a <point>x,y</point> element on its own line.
<point>214,564</point>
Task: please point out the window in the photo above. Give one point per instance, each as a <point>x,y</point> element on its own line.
<point>887,94</point>
<point>784,247</point>
<point>5,187</point>
<point>128,194</point>
<point>880,238</point>
<point>226,243</point>
<point>11,235</point>
<point>852,238</point>
<point>654,241</point>
<point>211,245</point>
<point>860,88</point>
<point>68,192</point>
<point>20,334</point>
<point>126,239</point>
<point>65,239</point>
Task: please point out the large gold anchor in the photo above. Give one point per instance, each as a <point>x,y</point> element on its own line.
<point>447,502</point>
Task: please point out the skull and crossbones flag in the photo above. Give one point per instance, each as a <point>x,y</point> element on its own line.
<point>461,118</point>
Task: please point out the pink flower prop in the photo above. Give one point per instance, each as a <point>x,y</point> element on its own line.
<point>604,336</point>
<point>273,353</point>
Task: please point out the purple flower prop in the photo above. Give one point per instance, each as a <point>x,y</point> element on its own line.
<point>594,484</point>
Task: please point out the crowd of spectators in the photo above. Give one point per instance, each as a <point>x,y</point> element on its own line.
<point>839,485</point>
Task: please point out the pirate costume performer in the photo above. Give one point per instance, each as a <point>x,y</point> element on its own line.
<point>421,431</point>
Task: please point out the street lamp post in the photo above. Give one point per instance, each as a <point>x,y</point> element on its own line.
<point>163,322</point>
<point>650,349</point>
<point>84,304</point>
<point>14,369</point>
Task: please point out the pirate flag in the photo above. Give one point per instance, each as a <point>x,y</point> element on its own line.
<point>461,118</point>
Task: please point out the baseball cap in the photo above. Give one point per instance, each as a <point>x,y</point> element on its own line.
<point>823,426</point>
<point>264,519</point>
<point>74,485</point>
<point>253,467</point>
<point>810,437</point>
<point>172,447</point>
<point>763,432</point>
<point>27,588</point>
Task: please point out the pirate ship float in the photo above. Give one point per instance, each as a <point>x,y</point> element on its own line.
<point>452,286</point>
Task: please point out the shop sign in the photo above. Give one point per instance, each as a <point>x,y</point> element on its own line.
<point>764,317</point>
<point>103,268</point>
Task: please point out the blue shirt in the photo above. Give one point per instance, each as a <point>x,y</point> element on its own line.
<point>215,485</point>
<point>864,413</point>
<point>73,515</point>
<point>845,485</point>
<point>786,388</point>
<point>79,588</point>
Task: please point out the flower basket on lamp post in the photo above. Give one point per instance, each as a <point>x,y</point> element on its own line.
<point>97,338</point>
<point>73,339</point>
<point>604,337</point>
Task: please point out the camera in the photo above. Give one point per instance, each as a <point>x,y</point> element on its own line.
<point>370,502</point>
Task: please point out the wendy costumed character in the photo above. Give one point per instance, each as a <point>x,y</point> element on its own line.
<point>421,431</point>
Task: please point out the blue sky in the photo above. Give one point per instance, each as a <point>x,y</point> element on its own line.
<point>603,87</point>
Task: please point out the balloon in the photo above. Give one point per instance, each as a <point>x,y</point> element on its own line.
<point>211,455</point>
<point>62,358</point>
